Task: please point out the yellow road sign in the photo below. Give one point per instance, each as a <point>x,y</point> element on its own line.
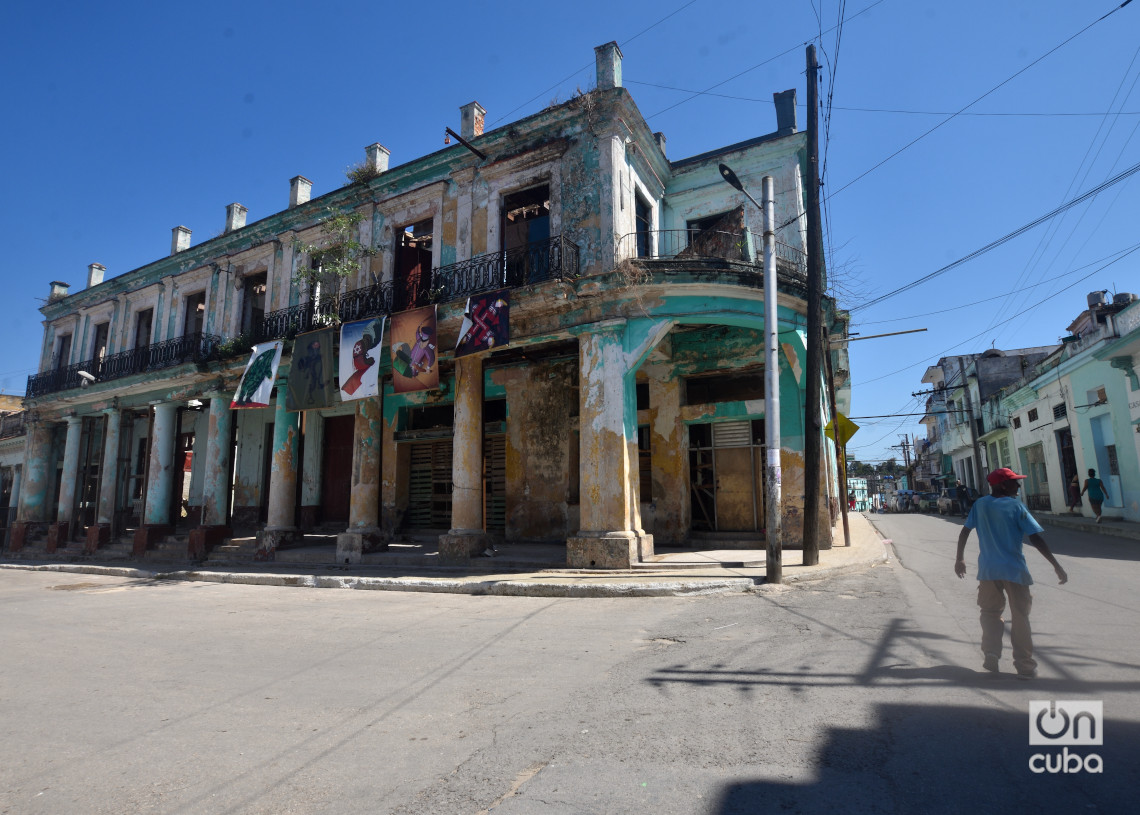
<point>847,429</point>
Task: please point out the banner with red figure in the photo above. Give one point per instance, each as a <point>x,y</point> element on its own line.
<point>359,355</point>
<point>485,323</point>
<point>415,355</point>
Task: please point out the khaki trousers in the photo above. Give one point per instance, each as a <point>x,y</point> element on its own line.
<point>992,596</point>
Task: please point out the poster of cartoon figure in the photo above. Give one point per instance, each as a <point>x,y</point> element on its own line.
<point>256,383</point>
<point>485,324</point>
<point>415,357</point>
<point>310,385</point>
<point>359,355</point>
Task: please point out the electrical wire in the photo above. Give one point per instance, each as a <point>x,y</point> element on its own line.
<point>769,101</point>
<point>984,331</point>
<point>1004,82</point>
<point>1116,179</point>
<point>795,47</point>
<point>998,296</point>
<point>587,65</point>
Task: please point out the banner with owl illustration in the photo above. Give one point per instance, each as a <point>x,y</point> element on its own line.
<point>256,385</point>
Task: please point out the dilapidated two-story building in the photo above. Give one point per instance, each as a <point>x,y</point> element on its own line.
<point>625,411</point>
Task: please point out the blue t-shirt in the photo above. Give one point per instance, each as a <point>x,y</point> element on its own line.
<point>1001,525</point>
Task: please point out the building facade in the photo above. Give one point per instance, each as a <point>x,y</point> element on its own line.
<point>625,412</point>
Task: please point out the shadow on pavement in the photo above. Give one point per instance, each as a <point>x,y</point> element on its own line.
<point>953,759</point>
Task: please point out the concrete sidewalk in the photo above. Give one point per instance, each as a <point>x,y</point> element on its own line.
<point>672,574</point>
<point>1109,526</point>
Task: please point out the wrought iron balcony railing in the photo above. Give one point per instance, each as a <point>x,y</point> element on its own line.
<point>198,347</point>
<point>552,259</point>
<point>12,425</point>
<point>694,244</point>
<point>340,308</point>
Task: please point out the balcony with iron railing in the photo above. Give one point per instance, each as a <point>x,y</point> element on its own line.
<point>710,245</point>
<point>12,425</point>
<point>552,259</point>
<point>197,347</point>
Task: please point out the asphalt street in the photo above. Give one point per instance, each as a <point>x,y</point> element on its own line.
<point>859,693</point>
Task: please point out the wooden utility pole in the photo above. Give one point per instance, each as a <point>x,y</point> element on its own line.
<point>814,371</point>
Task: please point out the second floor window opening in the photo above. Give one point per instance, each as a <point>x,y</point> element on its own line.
<point>144,323</point>
<point>194,321</point>
<point>62,352</point>
<point>526,217</point>
<point>412,275</point>
<point>253,301</point>
<point>642,215</point>
<point>99,342</point>
<point>326,283</point>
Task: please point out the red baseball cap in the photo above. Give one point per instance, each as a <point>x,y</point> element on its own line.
<point>1002,474</point>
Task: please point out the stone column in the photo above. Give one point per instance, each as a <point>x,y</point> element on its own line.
<point>466,537</point>
<point>32,504</point>
<point>364,507</point>
<point>216,480</point>
<point>60,531</point>
<point>108,484</point>
<point>314,431</point>
<point>281,526</point>
<point>160,478</point>
<point>670,459</point>
<point>610,535</point>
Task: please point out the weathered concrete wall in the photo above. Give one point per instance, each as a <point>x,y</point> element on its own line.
<point>539,398</point>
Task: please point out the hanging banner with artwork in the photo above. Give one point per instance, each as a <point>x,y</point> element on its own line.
<point>414,354</point>
<point>485,324</point>
<point>256,384</point>
<point>310,385</point>
<point>359,357</point>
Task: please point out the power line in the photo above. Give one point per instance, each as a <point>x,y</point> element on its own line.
<point>795,47</point>
<point>1004,82</point>
<point>982,332</point>
<point>587,65</point>
<point>769,101</point>
<point>998,296</point>
<point>1116,179</point>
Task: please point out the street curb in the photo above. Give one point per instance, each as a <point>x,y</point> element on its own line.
<point>846,568</point>
<point>499,588</point>
<point>1099,529</point>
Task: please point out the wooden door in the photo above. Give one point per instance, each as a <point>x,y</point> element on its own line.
<point>495,484</point>
<point>429,486</point>
<point>336,468</point>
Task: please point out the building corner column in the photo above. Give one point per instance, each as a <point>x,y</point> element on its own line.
<point>610,535</point>
<point>160,478</point>
<point>364,533</point>
<point>281,525</point>
<point>32,502</point>
<point>104,527</point>
<point>59,533</point>
<point>217,484</point>
<point>466,536</point>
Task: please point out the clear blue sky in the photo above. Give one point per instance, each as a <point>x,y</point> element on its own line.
<point>125,119</point>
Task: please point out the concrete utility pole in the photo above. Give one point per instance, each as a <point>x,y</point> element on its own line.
<point>973,427</point>
<point>812,428</point>
<point>774,571</point>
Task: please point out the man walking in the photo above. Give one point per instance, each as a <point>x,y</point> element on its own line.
<point>1002,521</point>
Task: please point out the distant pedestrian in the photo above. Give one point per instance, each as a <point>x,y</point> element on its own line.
<point>1002,521</point>
<point>1097,493</point>
<point>1075,494</point>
